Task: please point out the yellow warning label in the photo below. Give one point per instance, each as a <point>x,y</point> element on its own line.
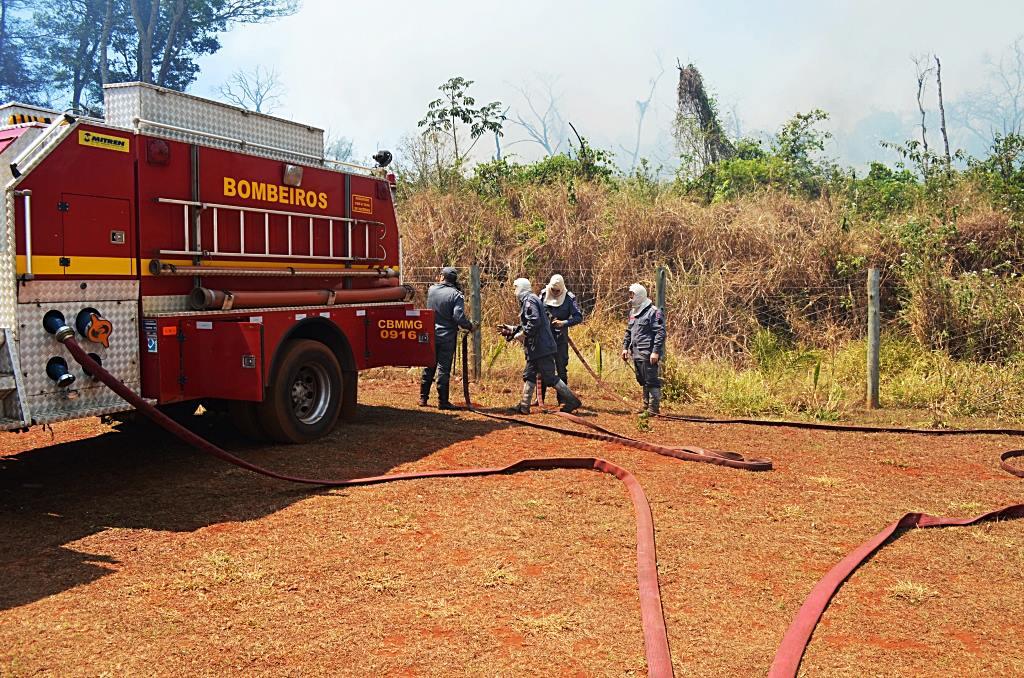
<point>87,138</point>
<point>362,204</point>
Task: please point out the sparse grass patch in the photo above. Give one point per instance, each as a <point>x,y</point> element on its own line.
<point>969,507</point>
<point>392,517</point>
<point>790,511</point>
<point>895,463</point>
<point>550,625</point>
<point>786,512</point>
<point>718,495</point>
<point>382,580</point>
<point>502,575</point>
<point>216,569</point>
<point>827,481</point>
<point>537,508</point>
<point>911,592</point>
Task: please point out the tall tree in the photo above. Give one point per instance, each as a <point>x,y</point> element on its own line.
<point>698,131</point>
<point>89,43</point>
<point>257,90</point>
<point>168,31</point>
<point>450,115</point>
<point>942,111</point>
<point>544,124</point>
<point>923,70</point>
<point>641,113</point>
<point>997,108</point>
<point>71,39</point>
<point>17,77</point>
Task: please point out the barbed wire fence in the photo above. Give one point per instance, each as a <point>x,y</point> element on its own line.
<point>724,315</point>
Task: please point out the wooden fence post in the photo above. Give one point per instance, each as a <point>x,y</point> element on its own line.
<point>476,316</point>
<point>874,337</point>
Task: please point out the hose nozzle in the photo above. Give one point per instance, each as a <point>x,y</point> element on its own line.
<point>55,324</point>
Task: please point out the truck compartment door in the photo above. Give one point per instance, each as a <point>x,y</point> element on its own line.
<point>97,236</point>
<point>399,337</point>
<point>222,359</point>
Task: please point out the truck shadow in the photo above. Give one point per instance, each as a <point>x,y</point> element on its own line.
<point>52,497</point>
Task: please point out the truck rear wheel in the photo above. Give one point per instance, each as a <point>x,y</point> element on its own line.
<point>304,398</point>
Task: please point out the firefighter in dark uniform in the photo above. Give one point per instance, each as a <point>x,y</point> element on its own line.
<point>445,299</point>
<point>534,330</point>
<point>564,312</point>
<point>644,344</point>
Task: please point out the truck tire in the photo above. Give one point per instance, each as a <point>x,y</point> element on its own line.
<point>304,398</point>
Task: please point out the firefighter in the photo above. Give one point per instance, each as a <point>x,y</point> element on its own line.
<point>447,302</point>
<point>564,312</point>
<point>534,330</point>
<point>644,343</point>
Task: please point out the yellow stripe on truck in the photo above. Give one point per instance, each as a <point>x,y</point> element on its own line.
<point>51,265</point>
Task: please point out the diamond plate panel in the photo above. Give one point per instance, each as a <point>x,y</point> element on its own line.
<point>49,291</point>
<point>117,301</point>
<point>124,102</point>
<point>8,262</point>
<point>8,283</point>
<point>164,303</point>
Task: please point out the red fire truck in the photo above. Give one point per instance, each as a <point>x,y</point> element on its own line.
<point>202,253</point>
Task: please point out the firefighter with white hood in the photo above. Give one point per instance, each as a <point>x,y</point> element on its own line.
<point>564,312</point>
<point>644,344</point>
<point>534,330</point>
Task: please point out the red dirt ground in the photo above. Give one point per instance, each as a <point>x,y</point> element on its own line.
<point>123,552</point>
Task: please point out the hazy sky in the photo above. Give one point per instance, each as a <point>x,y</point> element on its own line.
<point>367,70</point>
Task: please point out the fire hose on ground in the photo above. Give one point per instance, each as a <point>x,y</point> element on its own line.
<point>798,636</point>
<point>659,661</point>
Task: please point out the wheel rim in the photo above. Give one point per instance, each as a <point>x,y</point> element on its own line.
<point>311,393</point>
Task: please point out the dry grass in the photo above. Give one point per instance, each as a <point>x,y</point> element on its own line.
<point>734,267</point>
<point>911,592</point>
<point>766,300</point>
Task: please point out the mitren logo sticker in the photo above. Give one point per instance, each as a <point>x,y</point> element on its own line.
<point>96,140</point>
<point>363,204</point>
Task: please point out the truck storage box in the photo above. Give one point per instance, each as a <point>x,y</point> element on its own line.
<point>130,105</point>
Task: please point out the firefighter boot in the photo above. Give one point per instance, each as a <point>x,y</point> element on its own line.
<point>647,401</point>
<point>655,406</point>
<point>442,399</point>
<point>570,403</point>
<point>524,405</point>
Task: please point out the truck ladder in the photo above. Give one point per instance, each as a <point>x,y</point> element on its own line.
<point>314,223</point>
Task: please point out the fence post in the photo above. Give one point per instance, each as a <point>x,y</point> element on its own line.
<point>659,285</point>
<point>476,316</point>
<point>874,338</point>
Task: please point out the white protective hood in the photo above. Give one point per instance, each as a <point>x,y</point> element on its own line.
<point>555,291</point>
<point>639,301</point>
<point>522,286</point>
